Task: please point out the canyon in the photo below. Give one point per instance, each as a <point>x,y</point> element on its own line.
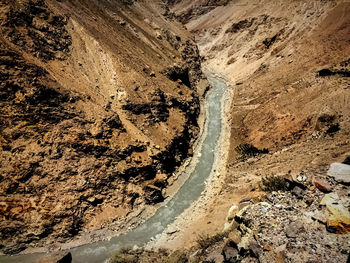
<point>102,103</point>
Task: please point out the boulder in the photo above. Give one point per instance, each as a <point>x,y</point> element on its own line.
<point>339,219</point>
<point>340,172</point>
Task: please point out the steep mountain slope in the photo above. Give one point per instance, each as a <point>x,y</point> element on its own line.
<point>99,106</point>
<point>273,55</point>
<point>287,64</point>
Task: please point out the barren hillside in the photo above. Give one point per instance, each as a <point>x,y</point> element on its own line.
<point>101,102</point>
<point>99,106</point>
<point>287,63</point>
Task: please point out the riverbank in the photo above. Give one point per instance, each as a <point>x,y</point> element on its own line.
<point>184,228</point>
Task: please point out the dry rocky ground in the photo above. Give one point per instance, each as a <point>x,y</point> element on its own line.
<point>287,65</point>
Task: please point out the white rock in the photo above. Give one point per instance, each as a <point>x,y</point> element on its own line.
<point>227,226</point>
<point>340,172</point>
<point>232,212</point>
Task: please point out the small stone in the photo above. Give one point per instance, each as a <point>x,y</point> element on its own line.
<point>291,230</point>
<point>232,212</point>
<point>280,257</point>
<point>172,231</point>
<point>255,249</point>
<point>267,247</point>
<point>309,201</point>
<point>159,35</point>
<point>214,256</point>
<point>230,225</point>
<point>235,236</point>
<point>245,200</point>
<point>322,185</point>
<point>230,252</point>
<point>298,192</point>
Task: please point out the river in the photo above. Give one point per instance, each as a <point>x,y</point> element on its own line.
<point>166,214</point>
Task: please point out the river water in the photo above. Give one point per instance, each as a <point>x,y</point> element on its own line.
<point>166,214</point>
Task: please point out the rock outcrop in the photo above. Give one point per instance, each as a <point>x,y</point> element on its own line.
<point>298,226</point>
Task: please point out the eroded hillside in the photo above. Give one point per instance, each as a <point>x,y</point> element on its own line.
<point>99,106</point>
<point>287,64</point>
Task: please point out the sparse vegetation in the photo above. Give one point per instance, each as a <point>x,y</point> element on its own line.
<point>127,255</point>
<point>248,150</point>
<point>205,241</point>
<point>273,183</point>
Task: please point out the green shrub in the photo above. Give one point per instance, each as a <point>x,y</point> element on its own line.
<point>248,150</point>
<point>273,183</point>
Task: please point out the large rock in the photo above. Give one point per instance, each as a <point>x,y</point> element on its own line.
<point>340,172</point>
<point>339,219</point>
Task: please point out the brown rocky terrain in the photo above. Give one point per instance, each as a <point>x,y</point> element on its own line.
<point>99,106</point>
<point>287,67</point>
